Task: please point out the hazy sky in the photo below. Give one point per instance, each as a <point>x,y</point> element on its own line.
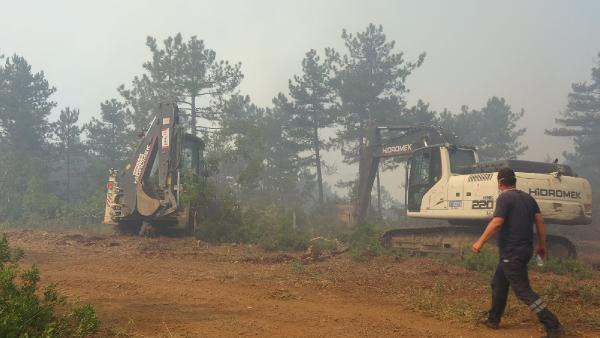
<point>526,51</point>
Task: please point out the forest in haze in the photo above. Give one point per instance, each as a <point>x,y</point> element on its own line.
<point>268,159</point>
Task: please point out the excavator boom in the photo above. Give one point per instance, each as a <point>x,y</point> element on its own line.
<point>400,143</point>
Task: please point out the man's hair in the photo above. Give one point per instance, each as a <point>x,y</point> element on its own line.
<point>506,176</point>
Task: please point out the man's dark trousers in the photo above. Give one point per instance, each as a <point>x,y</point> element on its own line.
<point>512,271</point>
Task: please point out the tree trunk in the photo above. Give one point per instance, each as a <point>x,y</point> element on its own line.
<point>194,115</point>
<point>68,176</point>
<point>317,144</point>
<point>361,143</point>
<point>378,196</point>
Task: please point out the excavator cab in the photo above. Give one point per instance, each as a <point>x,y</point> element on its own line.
<point>425,170</point>
<point>192,155</point>
<point>428,165</point>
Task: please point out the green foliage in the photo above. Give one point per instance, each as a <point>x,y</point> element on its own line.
<point>487,260</point>
<point>266,161</point>
<point>364,242</point>
<point>24,313</point>
<point>554,292</point>
<point>39,201</point>
<point>484,262</point>
<point>440,302</point>
<point>570,267</point>
<point>590,293</point>
<point>183,72</point>
<point>221,219</point>
<point>25,107</point>
<point>89,212</point>
<point>370,81</point>
<point>297,267</point>
<point>581,122</point>
<point>71,150</point>
<point>218,216</point>
<point>109,138</point>
<point>493,129</point>
<point>311,109</point>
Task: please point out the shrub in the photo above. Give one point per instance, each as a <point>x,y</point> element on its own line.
<point>555,292</point>
<point>222,219</point>
<point>365,241</point>
<point>590,293</point>
<point>571,267</point>
<point>440,302</point>
<point>273,229</point>
<point>297,266</point>
<point>25,314</point>
<point>485,261</point>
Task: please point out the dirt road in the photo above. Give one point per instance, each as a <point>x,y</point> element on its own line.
<point>182,288</point>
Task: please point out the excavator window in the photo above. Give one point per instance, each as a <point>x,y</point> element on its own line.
<point>425,170</point>
<point>461,160</point>
<point>190,157</point>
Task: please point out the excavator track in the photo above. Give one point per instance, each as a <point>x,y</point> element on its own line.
<point>430,240</point>
<point>455,240</point>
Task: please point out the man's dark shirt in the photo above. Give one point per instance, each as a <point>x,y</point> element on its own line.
<point>518,209</point>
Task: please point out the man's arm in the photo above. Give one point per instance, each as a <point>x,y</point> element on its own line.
<point>494,226</point>
<point>540,226</point>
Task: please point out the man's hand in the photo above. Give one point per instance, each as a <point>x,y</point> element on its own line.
<point>541,250</point>
<point>476,247</point>
<point>492,227</point>
<point>541,232</point>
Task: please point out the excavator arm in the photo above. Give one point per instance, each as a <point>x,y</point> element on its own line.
<point>399,142</point>
<point>142,187</point>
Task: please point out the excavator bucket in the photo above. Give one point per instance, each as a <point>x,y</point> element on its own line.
<point>146,205</point>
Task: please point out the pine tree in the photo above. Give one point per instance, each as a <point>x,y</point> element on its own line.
<point>493,129</point>
<point>311,109</point>
<point>68,141</point>
<point>186,73</point>
<point>110,138</point>
<point>24,108</point>
<point>581,122</point>
<point>370,81</point>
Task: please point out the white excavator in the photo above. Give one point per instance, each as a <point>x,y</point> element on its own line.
<point>447,182</point>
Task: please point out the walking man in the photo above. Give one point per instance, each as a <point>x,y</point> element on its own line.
<point>515,213</point>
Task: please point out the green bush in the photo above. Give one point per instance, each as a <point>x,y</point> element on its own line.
<point>222,219</point>
<point>25,314</point>
<point>364,242</point>
<point>485,261</point>
<point>590,293</point>
<point>297,267</point>
<point>39,201</point>
<point>273,229</point>
<point>571,267</point>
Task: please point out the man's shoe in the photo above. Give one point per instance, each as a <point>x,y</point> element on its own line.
<point>491,324</point>
<point>485,320</point>
<point>555,333</point>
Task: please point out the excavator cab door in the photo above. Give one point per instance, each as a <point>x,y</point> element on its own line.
<point>192,155</point>
<point>425,169</point>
